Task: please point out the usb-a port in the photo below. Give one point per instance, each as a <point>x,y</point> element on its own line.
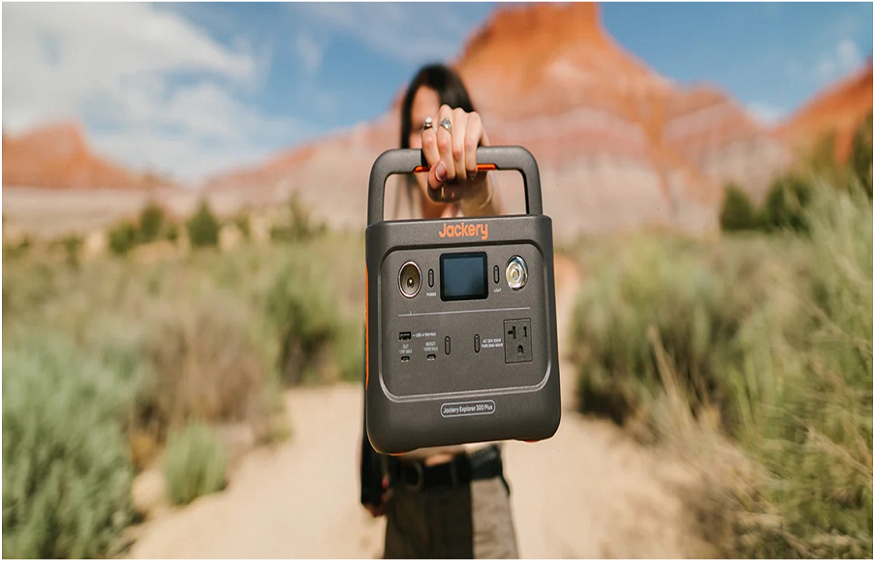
<point>404,336</point>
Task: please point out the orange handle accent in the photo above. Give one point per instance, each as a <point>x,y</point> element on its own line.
<point>480,167</point>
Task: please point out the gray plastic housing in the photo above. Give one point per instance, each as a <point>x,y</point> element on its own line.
<point>459,382</point>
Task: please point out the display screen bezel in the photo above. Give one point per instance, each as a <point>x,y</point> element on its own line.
<point>481,255</point>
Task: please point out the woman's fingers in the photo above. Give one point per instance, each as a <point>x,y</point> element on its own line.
<point>446,172</point>
<point>376,511</point>
<point>471,141</point>
<point>451,154</point>
<point>460,126</point>
<point>430,150</point>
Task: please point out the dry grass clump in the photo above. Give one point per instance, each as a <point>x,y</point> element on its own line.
<point>763,344</point>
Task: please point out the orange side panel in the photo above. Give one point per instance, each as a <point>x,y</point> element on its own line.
<point>367,326</point>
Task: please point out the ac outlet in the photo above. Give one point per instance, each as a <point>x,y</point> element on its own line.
<point>517,340</point>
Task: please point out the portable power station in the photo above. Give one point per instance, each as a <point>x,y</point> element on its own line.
<point>461,319</point>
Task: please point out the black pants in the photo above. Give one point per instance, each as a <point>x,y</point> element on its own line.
<point>466,521</point>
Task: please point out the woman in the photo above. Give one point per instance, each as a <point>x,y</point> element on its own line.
<point>452,185</point>
<point>464,510</point>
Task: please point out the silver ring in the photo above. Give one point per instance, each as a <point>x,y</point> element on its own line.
<point>447,124</point>
<point>427,124</point>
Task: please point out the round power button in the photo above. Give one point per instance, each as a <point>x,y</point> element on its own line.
<point>516,272</point>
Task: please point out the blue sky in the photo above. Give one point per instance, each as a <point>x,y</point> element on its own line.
<point>192,89</point>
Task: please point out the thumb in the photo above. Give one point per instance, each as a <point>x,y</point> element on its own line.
<point>437,175</point>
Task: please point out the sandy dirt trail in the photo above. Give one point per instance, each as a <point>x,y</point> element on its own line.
<point>590,491</point>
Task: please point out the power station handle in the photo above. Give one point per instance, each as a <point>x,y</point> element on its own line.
<point>409,160</point>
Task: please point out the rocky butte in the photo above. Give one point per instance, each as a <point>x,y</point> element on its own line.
<point>57,156</point>
<point>619,146</point>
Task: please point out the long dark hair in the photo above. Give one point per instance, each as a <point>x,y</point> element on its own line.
<point>445,82</point>
<point>450,90</point>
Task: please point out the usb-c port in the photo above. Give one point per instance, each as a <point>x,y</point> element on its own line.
<point>431,357</point>
<point>405,358</point>
<point>404,336</point>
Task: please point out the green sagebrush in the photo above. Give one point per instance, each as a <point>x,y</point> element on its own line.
<point>66,473</point>
<point>773,333</point>
<point>194,464</point>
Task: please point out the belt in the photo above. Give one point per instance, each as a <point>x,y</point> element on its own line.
<point>461,470</point>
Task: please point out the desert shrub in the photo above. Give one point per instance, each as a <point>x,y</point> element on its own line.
<point>784,207</point>
<point>199,336</point>
<point>172,234</point>
<point>302,308</point>
<point>299,225</point>
<point>738,212</point>
<point>203,227</point>
<point>197,328</point>
<point>861,154</point>
<point>66,475</point>
<point>16,249</point>
<point>72,245</point>
<point>771,337</point>
<point>204,366</point>
<point>28,285</point>
<point>151,225</point>
<point>152,222</point>
<point>242,223</point>
<point>694,308</point>
<point>122,238</point>
<point>207,351</point>
<point>194,464</point>
<point>349,351</point>
<point>811,422</point>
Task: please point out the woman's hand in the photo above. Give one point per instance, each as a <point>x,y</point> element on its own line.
<point>451,156</point>
<point>380,509</point>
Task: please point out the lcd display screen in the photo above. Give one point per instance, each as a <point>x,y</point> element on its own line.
<point>463,276</point>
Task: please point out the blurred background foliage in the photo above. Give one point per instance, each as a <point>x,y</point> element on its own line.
<point>120,363</point>
<point>751,355</point>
